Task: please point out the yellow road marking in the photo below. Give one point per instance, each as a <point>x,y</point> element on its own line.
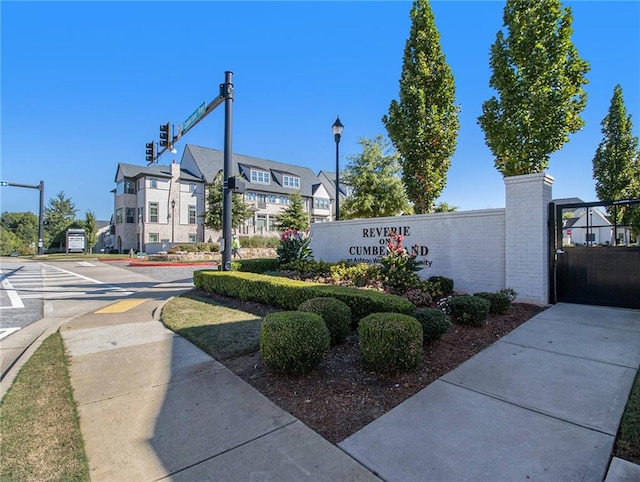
<point>122,306</point>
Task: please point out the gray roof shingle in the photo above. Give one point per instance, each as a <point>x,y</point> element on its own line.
<point>210,162</point>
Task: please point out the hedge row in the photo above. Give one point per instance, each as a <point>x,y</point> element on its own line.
<point>288,294</point>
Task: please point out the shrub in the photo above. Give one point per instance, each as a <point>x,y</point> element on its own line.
<point>419,295</point>
<point>498,302</point>
<point>208,247</point>
<point>440,286</point>
<point>308,267</point>
<point>434,323</point>
<point>257,265</point>
<point>187,248</point>
<point>360,274</point>
<point>335,313</point>
<point>390,342</point>
<point>398,269</point>
<point>509,293</point>
<point>293,245</point>
<point>288,294</point>
<point>260,242</point>
<point>469,310</point>
<point>293,342</point>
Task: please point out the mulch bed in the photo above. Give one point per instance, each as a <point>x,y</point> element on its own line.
<point>339,397</point>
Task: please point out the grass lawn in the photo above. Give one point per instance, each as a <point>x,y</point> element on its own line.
<point>39,423</point>
<point>221,331</point>
<point>628,440</point>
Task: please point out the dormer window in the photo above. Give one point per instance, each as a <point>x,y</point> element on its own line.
<point>291,181</point>
<point>261,177</point>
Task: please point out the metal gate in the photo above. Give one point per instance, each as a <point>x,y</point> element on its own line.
<point>595,253</point>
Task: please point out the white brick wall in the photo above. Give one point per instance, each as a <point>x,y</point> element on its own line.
<point>484,250</point>
<point>465,246</point>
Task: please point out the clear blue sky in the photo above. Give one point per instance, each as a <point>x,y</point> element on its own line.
<point>86,84</point>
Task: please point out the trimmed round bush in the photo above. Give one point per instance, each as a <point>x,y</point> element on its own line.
<point>335,313</point>
<point>390,342</point>
<point>499,302</point>
<point>469,310</point>
<point>293,342</point>
<point>440,286</point>
<point>434,323</point>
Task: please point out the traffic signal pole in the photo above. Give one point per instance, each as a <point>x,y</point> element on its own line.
<point>167,142</point>
<point>227,91</point>
<point>39,187</point>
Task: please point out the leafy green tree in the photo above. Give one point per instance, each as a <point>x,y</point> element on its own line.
<point>9,242</point>
<point>294,217</point>
<point>24,225</point>
<point>91,230</point>
<point>59,216</point>
<point>373,175</point>
<point>539,78</point>
<point>213,215</point>
<point>444,207</point>
<point>423,125</point>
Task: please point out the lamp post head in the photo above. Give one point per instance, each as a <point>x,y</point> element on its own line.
<point>337,128</point>
<point>173,203</point>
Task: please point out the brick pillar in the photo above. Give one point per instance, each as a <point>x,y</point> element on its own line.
<point>526,244</point>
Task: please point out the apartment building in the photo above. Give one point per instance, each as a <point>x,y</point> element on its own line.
<point>157,206</point>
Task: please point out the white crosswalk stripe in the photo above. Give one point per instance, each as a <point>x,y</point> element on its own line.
<point>51,282</point>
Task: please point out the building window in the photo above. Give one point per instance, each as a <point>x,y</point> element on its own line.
<point>153,212</point>
<point>250,196</point>
<point>192,188</point>
<point>290,181</point>
<point>140,184</point>
<point>284,199</point>
<point>261,221</point>
<point>272,223</point>
<point>271,198</point>
<point>153,183</point>
<point>154,237</point>
<point>320,203</point>
<point>192,215</point>
<point>119,216</point>
<point>129,187</point>
<point>192,238</point>
<point>130,215</point>
<point>260,176</point>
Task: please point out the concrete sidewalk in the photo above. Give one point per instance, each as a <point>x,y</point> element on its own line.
<point>542,403</point>
<point>153,406</point>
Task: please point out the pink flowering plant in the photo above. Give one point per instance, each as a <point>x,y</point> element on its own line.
<point>399,267</point>
<point>294,245</point>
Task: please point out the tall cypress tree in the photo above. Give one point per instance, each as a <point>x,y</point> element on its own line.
<point>423,125</point>
<point>539,78</point>
<point>615,167</point>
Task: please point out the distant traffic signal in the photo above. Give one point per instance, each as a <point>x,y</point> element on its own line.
<point>164,135</point>
<point>151,152</point>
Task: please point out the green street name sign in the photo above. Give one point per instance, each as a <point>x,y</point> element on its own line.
<point>193,117</point>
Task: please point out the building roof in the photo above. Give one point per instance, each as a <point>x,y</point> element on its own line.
<point>153,170</point>
<point>211,161</point>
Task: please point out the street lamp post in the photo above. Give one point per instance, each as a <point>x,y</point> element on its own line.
<point>337,133</point>
<point>173,219</point>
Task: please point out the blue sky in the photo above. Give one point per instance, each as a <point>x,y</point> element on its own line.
<point>86,84</point>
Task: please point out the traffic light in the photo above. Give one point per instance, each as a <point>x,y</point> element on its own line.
<point>164,135</point>
<point>151,152</point>
<point>236,185</point>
